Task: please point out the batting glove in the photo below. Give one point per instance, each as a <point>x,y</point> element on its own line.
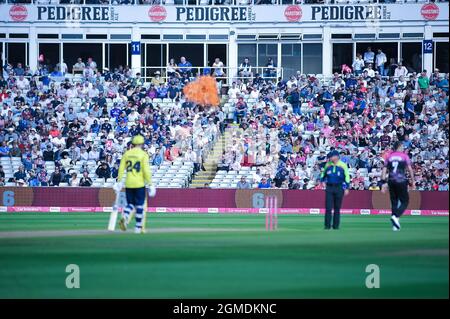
<point>151,191</point>
<point>118,187</point>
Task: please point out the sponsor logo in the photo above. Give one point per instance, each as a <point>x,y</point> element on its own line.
<point>81,209</point>
<point>357,12</point>
<point>346,211</point>
<point>28,209</point>
<point>55,209</point>
<point>75,13</point>
<point>439,213</point>
<point>213,210</point>
<point>263,210</point>
<point>176,210</point>
<point>161,209</point>
<point>157,13</point>
<point>18,13</point>
<point>293,13</point>
<point>364,211</point>
<point>416,212</point>
<point>290,210</point>
<point>429,11</point>
<point>240,210</point>
<point>212,13</point>
<point>3,209</point>
<point>314,211</point>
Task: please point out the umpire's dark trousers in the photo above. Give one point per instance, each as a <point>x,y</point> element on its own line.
<point>334,194</point>
<point>399,197</point>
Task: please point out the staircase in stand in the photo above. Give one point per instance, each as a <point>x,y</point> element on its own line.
<point>203,177</point>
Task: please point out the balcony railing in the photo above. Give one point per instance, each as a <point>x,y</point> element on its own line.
<point>228,74</point>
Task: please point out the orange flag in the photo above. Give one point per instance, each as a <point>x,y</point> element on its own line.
<point>202,91</point>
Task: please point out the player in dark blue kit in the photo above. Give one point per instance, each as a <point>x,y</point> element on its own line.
<point>394,177</point>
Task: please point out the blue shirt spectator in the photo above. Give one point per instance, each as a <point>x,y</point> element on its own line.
<point>264,183</point>
<point>172,92</point>
<point>27,162</point>
<point>407,143</point>
<point>287,127</point>
<point>443,84</point>
<point>351,81</point>
<point>122,129</point>
<point>360,106</point>
<point>207,70</point>
<point>115,171</point>
<point>409,108</point>
<point>184,66</point>
<point>162,91</point>
<point>327,98</point>
<point>56,73</point>
<point>345,159</point>
<point>19,70</point>
<point>294,99</point>
<point>286,148</point>
<point>33,181</point>
<point>20,174</point>
<point>157,159</point>
<point>4,150</point>
<point>115,112</point>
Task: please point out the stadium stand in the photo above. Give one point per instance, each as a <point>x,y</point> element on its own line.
<point>76,125</point>
<point>271,130</point>
<point>72,126</point>
<point>360,116</point>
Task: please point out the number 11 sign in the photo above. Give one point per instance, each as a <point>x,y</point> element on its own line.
<point>135,48</point>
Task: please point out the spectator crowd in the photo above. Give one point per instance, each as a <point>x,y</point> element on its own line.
<point>286,128</point>
<point>78,124</point>
<point>282,127</point>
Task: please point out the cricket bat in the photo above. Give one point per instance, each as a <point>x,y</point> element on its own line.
<point>114,213</point>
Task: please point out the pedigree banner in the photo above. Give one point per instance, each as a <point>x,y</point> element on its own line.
<point>156,14</point>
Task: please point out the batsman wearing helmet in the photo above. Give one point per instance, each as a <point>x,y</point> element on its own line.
<point>135,166</point>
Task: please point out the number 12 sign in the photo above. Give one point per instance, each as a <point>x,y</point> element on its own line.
<point>427,46</point>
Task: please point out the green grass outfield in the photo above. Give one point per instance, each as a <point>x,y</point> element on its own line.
<point>222,256</point>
